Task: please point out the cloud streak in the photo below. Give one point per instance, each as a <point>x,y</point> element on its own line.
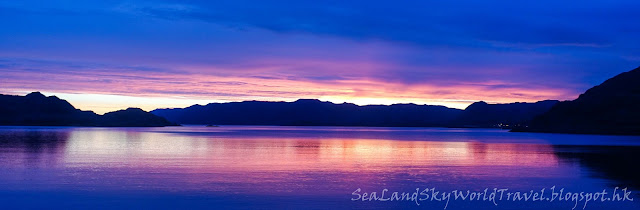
<point>356,51</point>
<point>132,82</point>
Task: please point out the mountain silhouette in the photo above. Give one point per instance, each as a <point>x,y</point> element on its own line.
<point>35,109</point>
<point>481,114</point>
<point>311,112</point>
<point>609,108</point>
<point>308,112</point>
<point>132,117</point>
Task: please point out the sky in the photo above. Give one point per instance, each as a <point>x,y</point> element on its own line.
<point>109,55</point>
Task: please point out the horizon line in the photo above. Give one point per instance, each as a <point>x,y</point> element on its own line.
<point>213,101</point>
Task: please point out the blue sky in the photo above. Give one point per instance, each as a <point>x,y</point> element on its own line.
<point>175,53</point>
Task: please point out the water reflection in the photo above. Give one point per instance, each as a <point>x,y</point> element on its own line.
<point>34,147</point>
<point>268,153</point>
<point>320,162</point>
<point>618,163</point>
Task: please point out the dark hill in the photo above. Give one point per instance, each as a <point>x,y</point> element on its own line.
<point>309,112</point>
<point>481,114</point>
<point>35,109</point>
<point>612,107</point>
<point>132,117</point>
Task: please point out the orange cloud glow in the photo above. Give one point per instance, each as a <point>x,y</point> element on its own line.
<point>108,91</point>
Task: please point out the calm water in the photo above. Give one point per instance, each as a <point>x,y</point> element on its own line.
<point>293,167</point>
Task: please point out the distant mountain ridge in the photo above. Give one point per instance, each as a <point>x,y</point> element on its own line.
<point>608,108</point>
<point>482,114</point>
<point>35,109</point>
<point>312,112</point>
<point>612,107</point>
<point>307,112</point>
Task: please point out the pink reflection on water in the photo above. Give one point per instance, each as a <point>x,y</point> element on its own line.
<point>297,165</point>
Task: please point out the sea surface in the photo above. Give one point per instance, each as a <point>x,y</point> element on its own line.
<point>280,167</point>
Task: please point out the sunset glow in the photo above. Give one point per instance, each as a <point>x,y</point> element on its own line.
<point>105,56</point>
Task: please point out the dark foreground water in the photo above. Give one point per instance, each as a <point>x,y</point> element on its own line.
<point>263,167</point>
